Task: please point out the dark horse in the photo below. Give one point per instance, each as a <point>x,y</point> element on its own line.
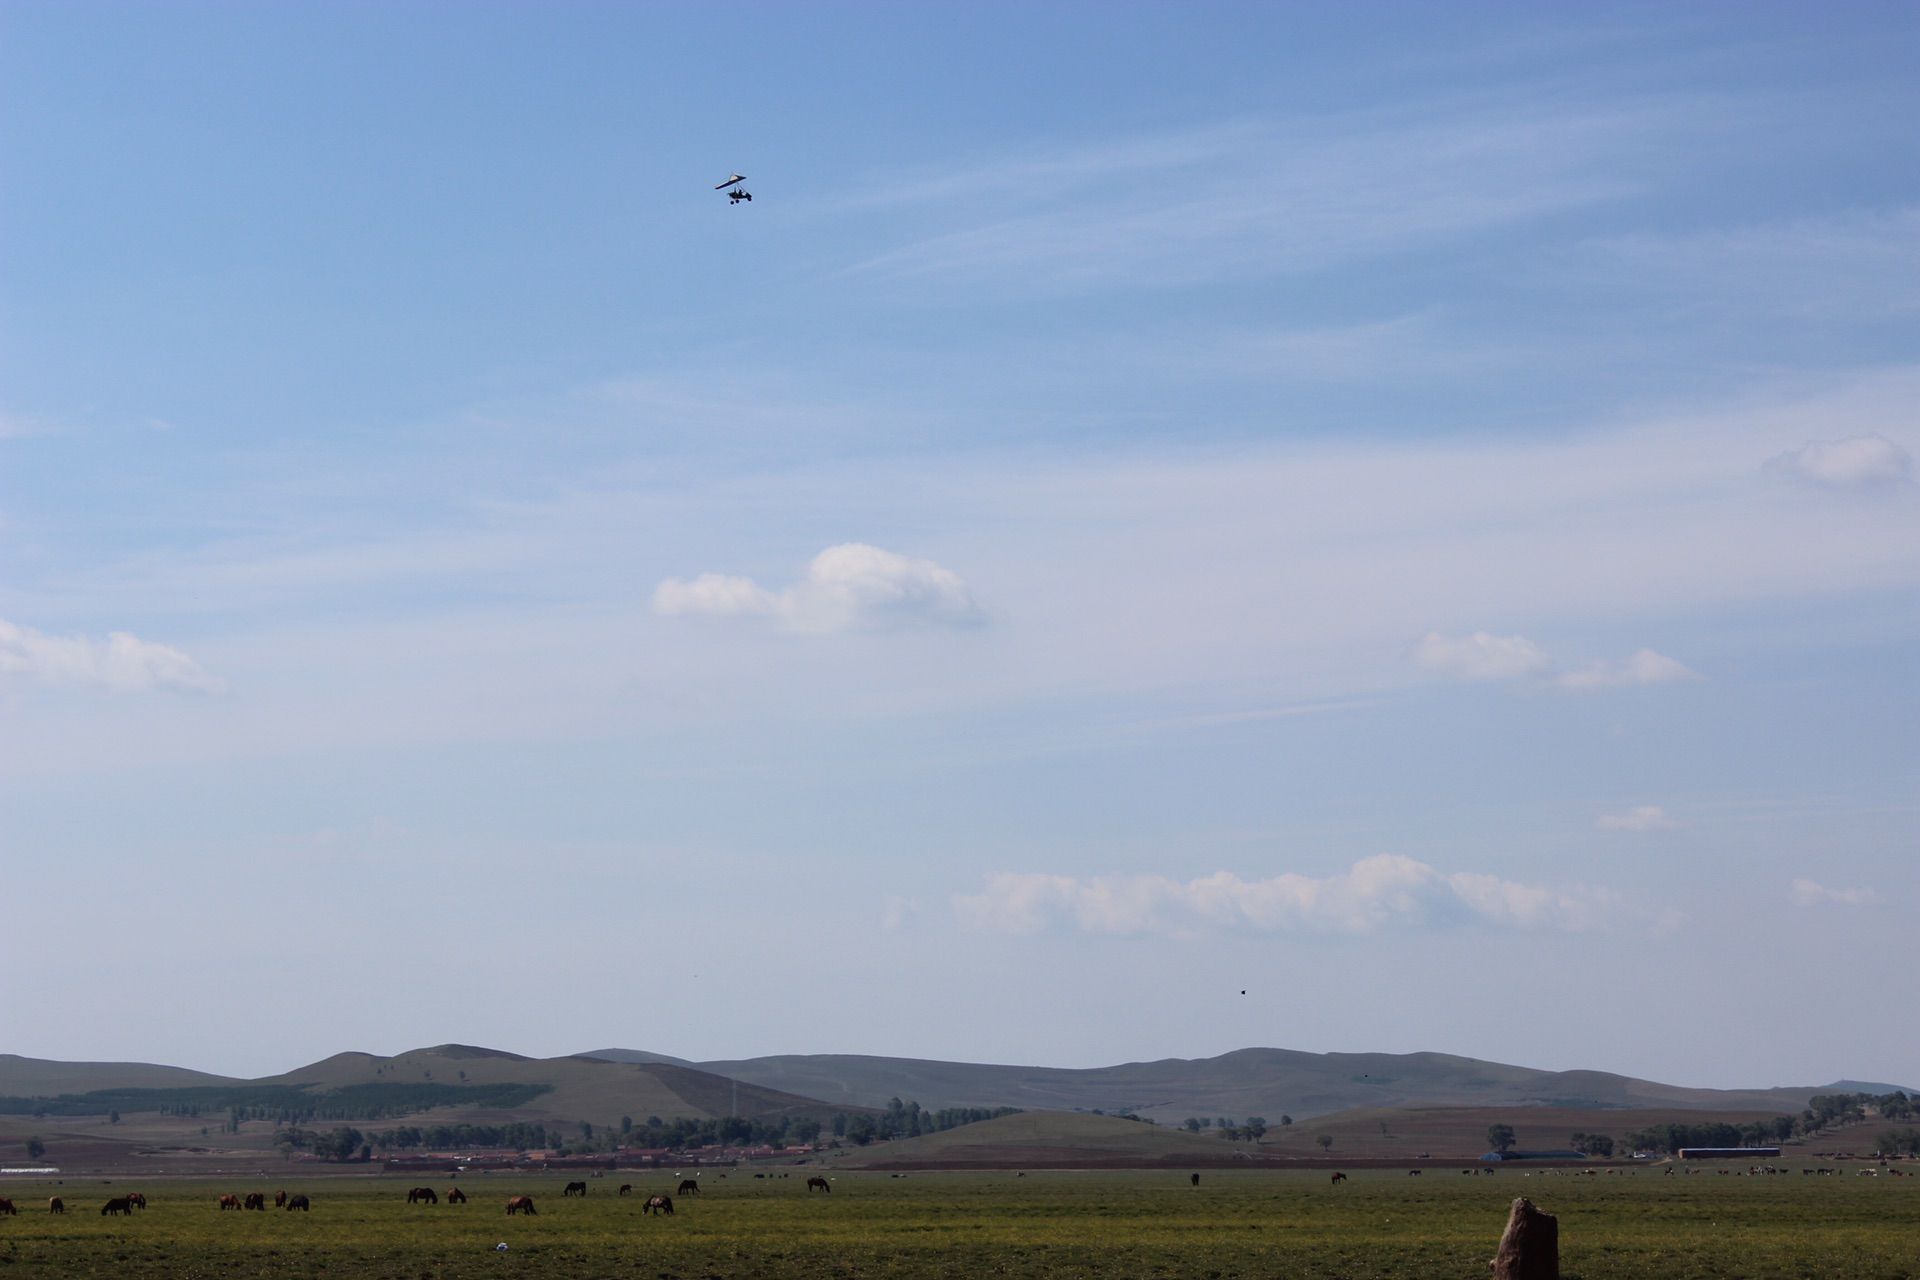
<point>574,1189</point>
<point>299,1202</point>
<point>688,1187</point>
<point>417,1195</point>
<point>661,1204</point>
<point>1339,1178</point>
<point>116,1206</point>
<point>56,1205</point>
<point>818,1184</point>
<point>521,1204</point>
<point>456,1196</point>
<point>625,1187</point>
<point>254,1200</point>
<point>6,1206</point>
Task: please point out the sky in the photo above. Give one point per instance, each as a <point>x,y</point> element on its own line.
<point>1408,513</point>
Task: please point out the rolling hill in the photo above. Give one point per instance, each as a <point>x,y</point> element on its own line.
<point>1269,1082</point>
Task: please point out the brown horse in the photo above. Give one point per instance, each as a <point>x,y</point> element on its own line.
<point>299,1202</point>
<point>254,1200</point>
<point>56,1205</point>
<point>521,1204</point>
<point>115,1207</point>
<point>137,1200</point>
<point>279,1199</point>
<point>456,1196</point>
<point>1339,1178</point>
<point>417,1195</point>
<point>228,1202</point>
<point>574,1189</point>
<point>625,1187</point>
<point>658,1204</point>
<point>819,1184</point>
<point>6,1206</point>
<point>688,1187</point>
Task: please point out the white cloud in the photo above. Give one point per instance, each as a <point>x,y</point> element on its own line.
<point>715,594</point>
<point>1856,462</point>
<point>1483,656</point>
<point>1809,893</point>
<point>120,663</point>
<point>1645,667</point>
<point>1374,893</point>
<point>846,587</point>
<point>1480,656</point>
<point>1646,817</point>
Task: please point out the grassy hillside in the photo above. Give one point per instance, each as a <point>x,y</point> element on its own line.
<point>1268,1082</point>
<point>43,1078</point>
<point>1046,1139</point>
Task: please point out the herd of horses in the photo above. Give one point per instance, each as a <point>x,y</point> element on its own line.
<point>657,1203</point>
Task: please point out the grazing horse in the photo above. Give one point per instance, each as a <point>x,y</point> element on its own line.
<point>1196,1179</point>
<point>456,1196</point>
<point>254,1200</point>
<point>229,1202</point>
<point>420,1195</point>
<point>56,1205</point>
<point>574,1189</point>
<point>818,1184</point>
<point>299,1202</point>
<point>688,1187</point>
<point>625,1187</point>
<point>1338,1178</point>
<point>658,1204</point>
<point>137,1200</point>
<point>6,1206</point>
<point>521,1204</point>
<point>1413,1173</point>
<point>115,1207</point>
<point>279,1199</point>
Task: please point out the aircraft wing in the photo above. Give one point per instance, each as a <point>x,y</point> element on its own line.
<point>738,177</point>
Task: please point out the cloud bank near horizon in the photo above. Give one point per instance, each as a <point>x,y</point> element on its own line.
<point>1375,894</point>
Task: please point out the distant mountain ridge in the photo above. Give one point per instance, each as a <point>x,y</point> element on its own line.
<point>1257,1081</point>
<point>603,1085</point>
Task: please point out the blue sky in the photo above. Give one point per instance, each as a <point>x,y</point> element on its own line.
<point>1395,511</point>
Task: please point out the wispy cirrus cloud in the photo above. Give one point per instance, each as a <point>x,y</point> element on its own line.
<point>1811,893</point>
<point>1259,196</point>
<point>849,586</point>
<point>121,663</point>
<point>1374,894</point>
<point>1646,817</point>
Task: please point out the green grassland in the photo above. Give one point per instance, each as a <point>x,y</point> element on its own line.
<point>1112,1224</point>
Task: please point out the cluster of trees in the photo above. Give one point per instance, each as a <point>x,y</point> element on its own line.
<point>900,1120</point>
<point>1592,1144</point>
<point>909,1120</point>
<point>340,1144</point>
<point>1252,1130</point>
<point>1900,1142</point>
<point>1833,1110</point>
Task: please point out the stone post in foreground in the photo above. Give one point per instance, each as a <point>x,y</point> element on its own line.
<point>1530,1246</point>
